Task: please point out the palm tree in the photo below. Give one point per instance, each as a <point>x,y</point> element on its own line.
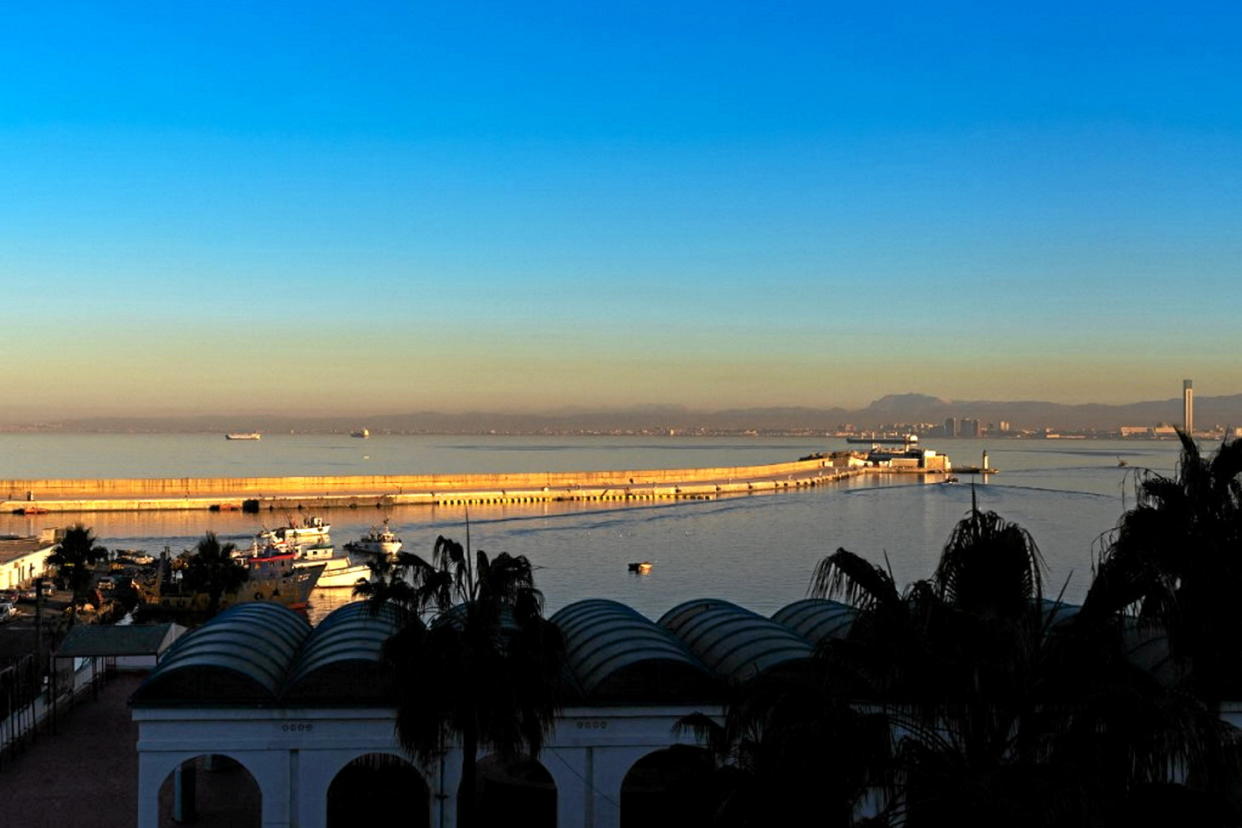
<point>211,568</point>
<point>74,558</point>
<point>1176,558</point>
<point>1000,716</point>
<point>486,669</point>
<point>790,745</point>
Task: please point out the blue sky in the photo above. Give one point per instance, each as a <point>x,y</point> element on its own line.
<point>399,206</point>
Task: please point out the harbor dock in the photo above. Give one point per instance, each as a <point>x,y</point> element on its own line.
<point>253,494</point>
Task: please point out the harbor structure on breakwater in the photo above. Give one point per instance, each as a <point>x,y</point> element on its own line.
<point>325,492</point>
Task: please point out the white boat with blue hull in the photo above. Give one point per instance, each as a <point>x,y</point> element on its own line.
<point>340,571</point>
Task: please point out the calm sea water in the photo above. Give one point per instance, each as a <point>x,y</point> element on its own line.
<point>758,551</point>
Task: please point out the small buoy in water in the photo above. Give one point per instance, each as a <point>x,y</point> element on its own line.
<point>641,567</point>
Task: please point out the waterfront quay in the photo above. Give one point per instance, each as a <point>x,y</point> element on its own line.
<point>355,491</point>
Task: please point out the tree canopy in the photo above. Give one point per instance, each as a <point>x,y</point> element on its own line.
<point>74,558</point>
<point>474,658</point>
<point>967,698</point>
<point>211,568</point>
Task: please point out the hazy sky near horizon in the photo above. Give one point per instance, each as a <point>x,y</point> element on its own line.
<point>377,207</point>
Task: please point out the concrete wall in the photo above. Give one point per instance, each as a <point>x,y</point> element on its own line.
<point>193,487</point>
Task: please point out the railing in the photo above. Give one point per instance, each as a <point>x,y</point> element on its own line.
<point>34,702</point>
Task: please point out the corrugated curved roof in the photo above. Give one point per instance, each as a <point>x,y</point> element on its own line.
<point>342,659</point>
<point>1056,613</point>
<point>817,619</point>
<point>1146,646</point>
<point>735,643</point>
<point>241,655</point>
<point>615,652</point>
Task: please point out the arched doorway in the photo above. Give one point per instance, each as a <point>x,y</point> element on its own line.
<point>211,791</point>
<point>519,793</point>
<point>671,787</point>
<point>379,789</point>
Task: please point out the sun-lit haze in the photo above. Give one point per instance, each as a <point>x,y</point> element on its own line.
<point>382,207</point>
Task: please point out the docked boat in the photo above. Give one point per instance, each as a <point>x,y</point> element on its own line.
<point>364,434</point>
<point>339,571</point>
<point>249,435</point>
<point>899,440</point>
<point>380,541</point>
<point>271,578</point>
<point>311,529</point>
<point>344,577</point>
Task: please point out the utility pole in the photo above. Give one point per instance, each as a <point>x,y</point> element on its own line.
<point>38,585</point>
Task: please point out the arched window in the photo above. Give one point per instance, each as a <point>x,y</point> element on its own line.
<point>211,791</point>
<point>379,789</point>
<point>518,794</point>
<point>670,787</point>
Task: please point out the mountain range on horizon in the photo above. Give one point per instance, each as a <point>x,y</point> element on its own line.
<point>892,409</point>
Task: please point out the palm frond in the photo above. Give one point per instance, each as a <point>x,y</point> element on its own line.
<point>846,575</point>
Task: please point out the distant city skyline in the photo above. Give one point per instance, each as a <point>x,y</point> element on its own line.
<point>920,413</point>
<point>389,207</point>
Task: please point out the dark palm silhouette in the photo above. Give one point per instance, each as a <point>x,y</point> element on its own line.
<point>486,668</point>
<point>74,558</point>
<point>1003,711</point>
<point>1176,558</point>
<point>211,568</point>
<point>789,745</point>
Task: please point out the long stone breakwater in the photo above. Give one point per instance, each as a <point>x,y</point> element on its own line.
<point>354,491</point>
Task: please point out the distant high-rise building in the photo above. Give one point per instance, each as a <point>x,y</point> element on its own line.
<point>969,427</point>
<point>950,427</point>
<point>1188,406</point>
<point>1004,426</point>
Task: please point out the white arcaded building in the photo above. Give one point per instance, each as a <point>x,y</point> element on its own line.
<point>263,719</point>
<point>307,715</point>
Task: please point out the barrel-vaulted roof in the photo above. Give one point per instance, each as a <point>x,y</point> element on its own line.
<point>240,656</point>
<point>734,643</point>
<point>615,653</point>
<point>342,660</point>
<point>261,653</point>
<point>1147,647</point>
<point>817,619</point>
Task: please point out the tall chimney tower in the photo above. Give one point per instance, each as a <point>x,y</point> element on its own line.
<point>1188,406</point>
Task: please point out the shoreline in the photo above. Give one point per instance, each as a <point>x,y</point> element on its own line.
<point>255,494</point>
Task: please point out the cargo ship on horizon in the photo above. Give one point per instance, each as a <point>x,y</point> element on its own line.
<point>888,440</point>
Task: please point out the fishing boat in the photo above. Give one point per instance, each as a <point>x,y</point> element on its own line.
<point>249,435</point>
<point>641,567</point>
<point>379,541</point>
<point>311,529</point>
<point>364,434</point>
<point>339,571</point>
<point>271,578</point>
